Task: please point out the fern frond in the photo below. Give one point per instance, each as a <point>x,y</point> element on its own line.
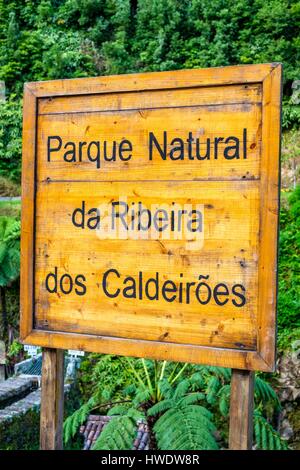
<point>266,437</point>
<point>197,381</point>
<point>181,389</point>
<point>118,410</point>
<point>160,407</point>
<point>73,422</point>
<point>130,389</point>
<point>264,392</point>
<point>224,399</point>
<point>212,390</point>
<point>185,428</point>
<point>165,388</point>
<point>118,434</point>
<point>191,399</point>
<point>220,372</point>
<point>136,415</point>
<point>9,250</point>
<point>142,396</point>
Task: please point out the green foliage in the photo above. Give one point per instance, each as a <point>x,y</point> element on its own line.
<point>183,404</point>
<point>289,267</point>
<point>78,37</point>
<point>265,436</point>
<point>104,376</point>
<point>290,145</point>
<point>50,39</point>
<point>291,108</point>
<point>120,432</point>
<point>264,393</point>
<point>15,348</point>
<point>73,421</point>
<point>185,427</point>
<point>290,116</point>
<point>10,209</point>
<point>10,138</point>
<point>9,250</point>
<point>183,424</point>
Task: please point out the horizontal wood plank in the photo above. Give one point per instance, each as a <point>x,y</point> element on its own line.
<point>205,123</point>
<point>249,360</point>
<point>213,76</point>
<point>229,255</point>
<point>208,96</point>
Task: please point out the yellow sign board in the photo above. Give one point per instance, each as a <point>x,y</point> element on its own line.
<point>150,212</point>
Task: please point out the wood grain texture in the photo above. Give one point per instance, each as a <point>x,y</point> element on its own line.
<point>143,100</point>
<point>270,192</point>
<point>241,199</point>
<point>28,214</point>
<point>241,410</point>
<point>154,81</point>
<point>229,255</point>
<point>129,119</point>
<point>222,357</point>
<point>52,400</point>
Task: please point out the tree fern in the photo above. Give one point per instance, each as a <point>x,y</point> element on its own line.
<point>176,392</point>
<point>181,389</point>
<point>192,398</point>
<point>212,390</point>
<point>141,396</point>
<point>165,388</point>
<point>197,381</point>
<point>185,427</point>
<point>265,435</point>
<point>222,373</point>
<point>117,410</point>
<point>183,424</point>
<point>119,433</point>
<point>160,407</point>
<point>73,422</point>
<point>265,393</point>
<point>224,399</point>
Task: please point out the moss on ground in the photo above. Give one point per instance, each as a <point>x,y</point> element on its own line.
<point>21,433</point>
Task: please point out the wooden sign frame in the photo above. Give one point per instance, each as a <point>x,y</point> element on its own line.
<point>269,76</point>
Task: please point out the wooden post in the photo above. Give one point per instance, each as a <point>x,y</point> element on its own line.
<point>241,410</point>
<point>52,400</point>
<point>2,361</point>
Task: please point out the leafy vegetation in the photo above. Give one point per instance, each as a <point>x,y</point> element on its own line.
<point>10,140</point>
<point>289,269</point>
<point>9,259</point>
<point>265,435</point>
<point>49,39</point>
<point>183,404</point>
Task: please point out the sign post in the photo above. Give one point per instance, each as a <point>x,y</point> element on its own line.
<point>150,216</point>
<point>241,410</point>
<point>52,400</point>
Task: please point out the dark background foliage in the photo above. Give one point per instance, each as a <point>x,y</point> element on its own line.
<point>49,39</point>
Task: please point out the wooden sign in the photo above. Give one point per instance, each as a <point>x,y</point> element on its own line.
<point>150,214</point>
